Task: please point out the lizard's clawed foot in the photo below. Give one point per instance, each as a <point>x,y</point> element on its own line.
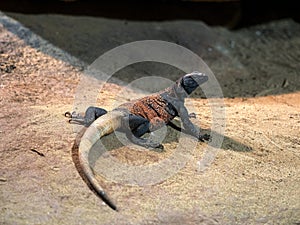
<point>154,146</point>
<point>74,118</point>
<point>204,137</point>
<point>72,115</point>
<point>146,143</point>
<point>193,115</point>
<point>158,147</point>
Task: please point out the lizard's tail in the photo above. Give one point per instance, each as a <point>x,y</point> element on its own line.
<point>104,125</point>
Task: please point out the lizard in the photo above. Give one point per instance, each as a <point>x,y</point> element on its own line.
<point>136,118</point>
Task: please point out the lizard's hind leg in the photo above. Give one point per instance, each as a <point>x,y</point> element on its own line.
<point>91,114</point>
<point>138,126</point>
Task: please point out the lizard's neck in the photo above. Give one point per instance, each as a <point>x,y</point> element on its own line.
<point>174,93</point>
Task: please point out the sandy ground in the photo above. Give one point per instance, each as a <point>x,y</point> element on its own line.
<point>253,178</point>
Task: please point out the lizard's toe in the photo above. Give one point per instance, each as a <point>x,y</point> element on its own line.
<point>158,148</point>
<point>155,146</point>
<point>205,137</point>
<point>68,114</point>
<point>193,115</point>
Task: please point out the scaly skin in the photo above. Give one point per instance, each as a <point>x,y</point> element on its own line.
<point>104,125</point>
<point>136,118</point>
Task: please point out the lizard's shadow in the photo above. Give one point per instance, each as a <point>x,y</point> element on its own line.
<point>111,142</point>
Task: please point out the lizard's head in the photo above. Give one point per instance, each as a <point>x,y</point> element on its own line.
<point>191,81</point>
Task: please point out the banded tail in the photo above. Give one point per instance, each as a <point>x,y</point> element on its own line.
<point>104,125</point>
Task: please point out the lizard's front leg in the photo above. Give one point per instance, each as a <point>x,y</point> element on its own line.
<point>189,127</point>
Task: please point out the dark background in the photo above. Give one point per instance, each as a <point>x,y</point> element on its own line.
<point>230,13</point>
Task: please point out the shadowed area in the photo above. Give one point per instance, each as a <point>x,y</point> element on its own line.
<point>256,61</point>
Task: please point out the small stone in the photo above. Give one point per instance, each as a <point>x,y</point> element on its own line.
<point>55,168</point>
<point>3,179</point>
<point>258,33</point>
<point>285,83</point>
<point>262,220</point>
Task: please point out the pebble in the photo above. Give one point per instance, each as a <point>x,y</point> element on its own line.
<point>55,168</point>
<point>3,179</point>
<point>262,220</point>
